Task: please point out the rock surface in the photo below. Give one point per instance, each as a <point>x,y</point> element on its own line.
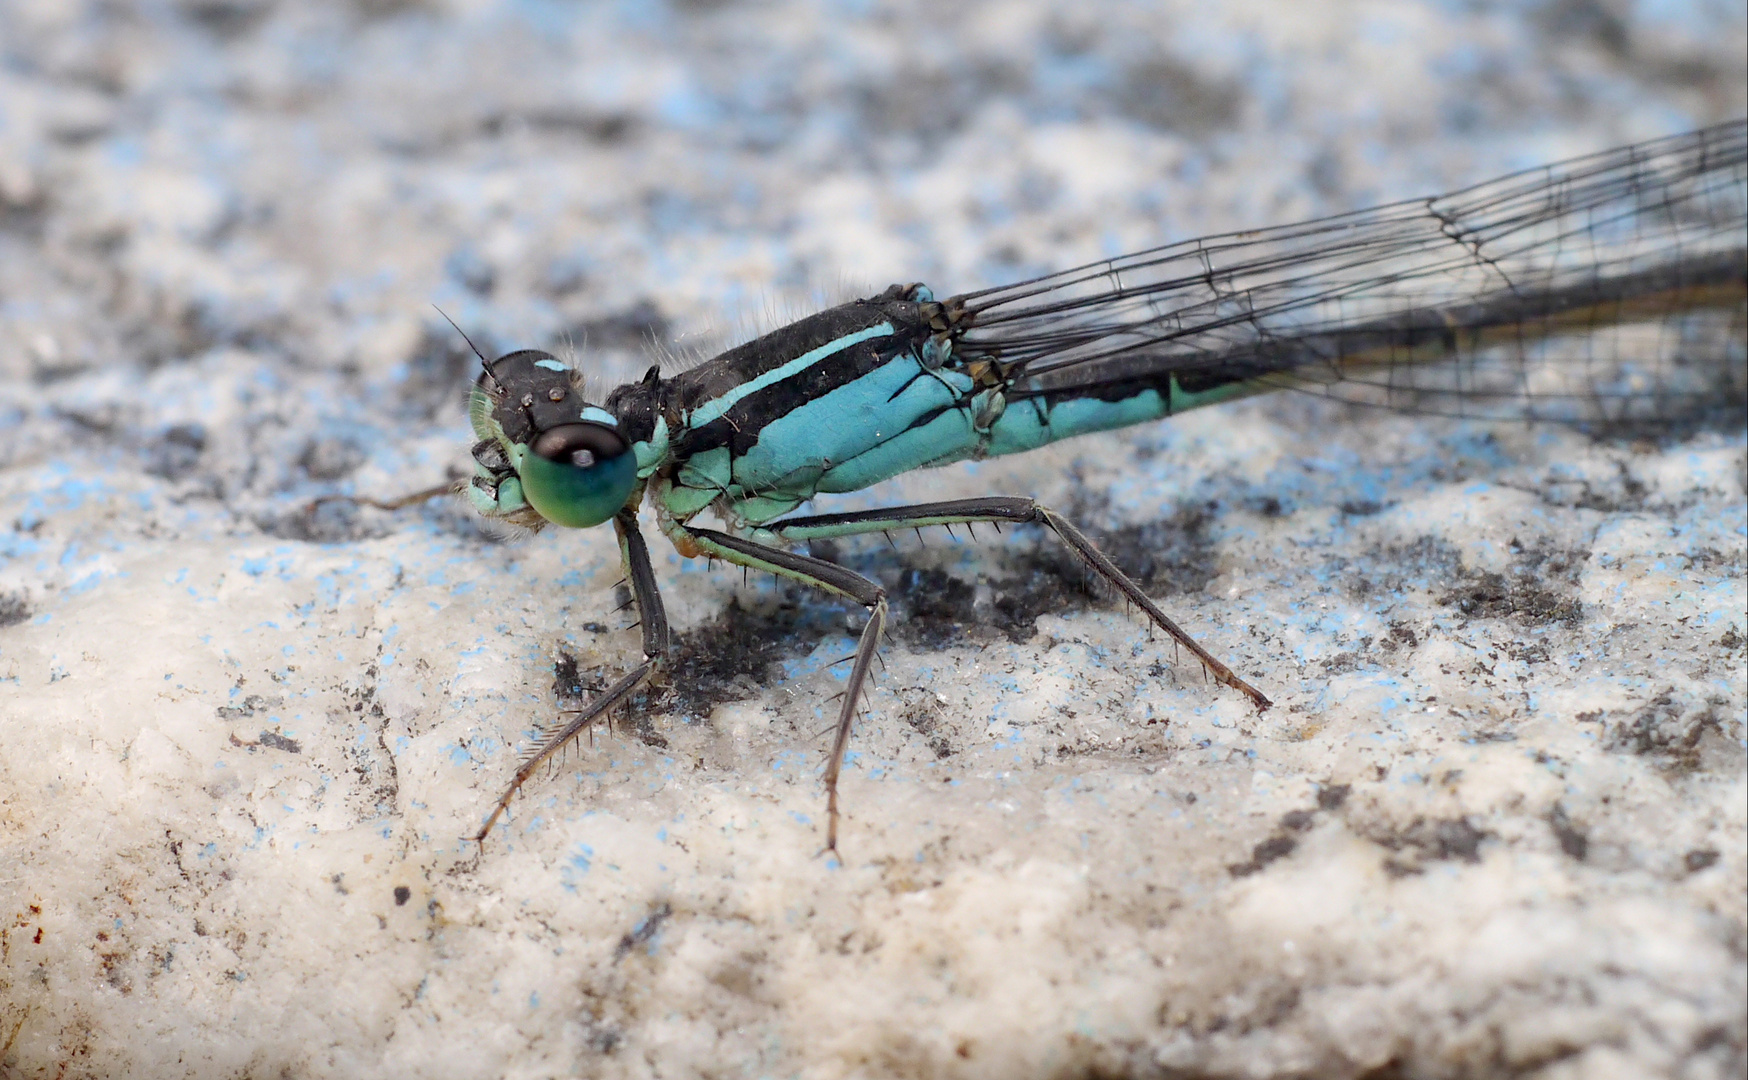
<point>1494,824</point>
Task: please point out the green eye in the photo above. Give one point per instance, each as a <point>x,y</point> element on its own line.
<point>578,475</point>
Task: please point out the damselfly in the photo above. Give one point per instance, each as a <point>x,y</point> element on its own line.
<point>1604,289</point>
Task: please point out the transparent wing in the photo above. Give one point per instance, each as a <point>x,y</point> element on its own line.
<point>1609,286</point>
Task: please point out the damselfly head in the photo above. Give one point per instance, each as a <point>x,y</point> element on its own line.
<point>545,454</point>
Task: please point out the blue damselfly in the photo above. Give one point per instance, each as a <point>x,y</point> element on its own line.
<point>1605,290</point>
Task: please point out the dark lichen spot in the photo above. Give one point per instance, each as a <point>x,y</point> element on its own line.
<point>1426,841</point>
<point>1489,595</point>
<point>276,741</point>
<point>1297,820</point>
<point>1573,840</point>
<point>402,895</point>
<point>568,684</point>
<point>932,607</point>
<point>1673,735</point>
<point>645,930</point>
<point>330,458</point>
<point>1450,838</point>
<point>331,521</point>
<point>1350,659</point>
<point>1166,93</point>
<point>735,655</point>
<point>1536,589</point>
<point>1700,859</point>
<point>922,720</point>
<point>1269,506</point>
<point>14,609</point>
<point>1045,585</point>
<point>176,453</point>
<point>1278,846</point>
<point>250,705</point>
<point>1169,556</point>
<point>226,20</point>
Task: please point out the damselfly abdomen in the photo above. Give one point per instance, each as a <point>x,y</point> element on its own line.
<point>1609,289</point>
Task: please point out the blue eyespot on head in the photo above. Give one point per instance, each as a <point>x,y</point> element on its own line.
<point>578,475</point>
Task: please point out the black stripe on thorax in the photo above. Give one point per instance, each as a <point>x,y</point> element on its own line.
<point>739,427</point>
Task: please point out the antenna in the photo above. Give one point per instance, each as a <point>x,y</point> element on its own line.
<point>463,333</point>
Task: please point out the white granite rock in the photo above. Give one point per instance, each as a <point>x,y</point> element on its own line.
<point>1493,825</point>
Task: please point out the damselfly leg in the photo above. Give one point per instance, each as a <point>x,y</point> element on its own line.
<point>634,556</point>
<point>400,503</point>
<point>826,576</point>
<point>1017,511</point>
<point>831,578</point>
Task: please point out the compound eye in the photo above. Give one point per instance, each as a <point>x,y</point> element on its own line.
<point>578,474</point>
<point>581,445</point>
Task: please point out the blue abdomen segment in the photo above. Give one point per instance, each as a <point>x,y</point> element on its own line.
<point>1031,422</point>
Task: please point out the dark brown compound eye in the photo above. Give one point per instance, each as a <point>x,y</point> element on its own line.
<point>581,445</point>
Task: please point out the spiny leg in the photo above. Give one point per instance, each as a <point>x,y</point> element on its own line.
<point>411,499</point>
<point>996,510</point>
<point>831,578</point>
<point>634,556</point>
